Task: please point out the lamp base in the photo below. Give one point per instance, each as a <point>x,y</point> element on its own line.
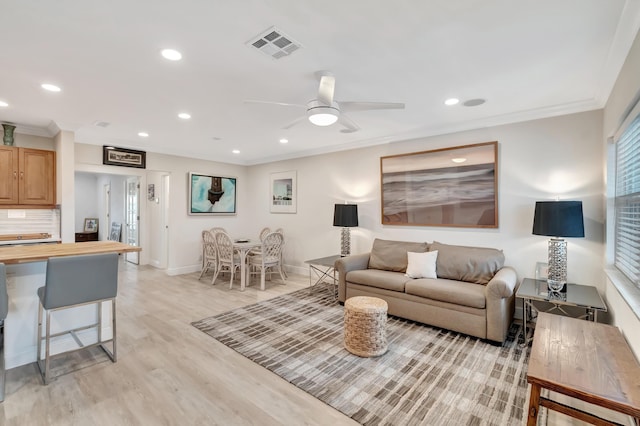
<point>345,242</point>
<point>557,275</point>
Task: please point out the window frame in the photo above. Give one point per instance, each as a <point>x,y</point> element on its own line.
<point>626,199</point>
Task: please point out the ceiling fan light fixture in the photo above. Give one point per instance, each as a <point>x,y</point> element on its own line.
<point>323,118</point>
<point>322,115</point>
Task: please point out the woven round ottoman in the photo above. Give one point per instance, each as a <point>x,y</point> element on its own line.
<point>365,326</point>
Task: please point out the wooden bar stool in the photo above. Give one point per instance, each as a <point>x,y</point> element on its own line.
<point>74,281</point>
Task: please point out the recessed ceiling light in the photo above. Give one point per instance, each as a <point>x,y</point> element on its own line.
<point>474,102</point>
<point>171,54</point>
<point>451,101</point>
<point>458,160</point>
<point>50,87</point>
<point>283,140</point>
<point>184,115</point>
<point>3,104</point>
<point>143,134</point>
<point>236,151</point>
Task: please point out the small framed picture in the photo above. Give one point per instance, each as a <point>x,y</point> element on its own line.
<point>283,192</point>
<point>116,229</point>
<point>91,225</point>
<point>542,270</point>
<point>151,192</point>
<point>114,156</point>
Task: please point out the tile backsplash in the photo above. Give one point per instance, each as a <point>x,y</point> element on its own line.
<point>30,221</point>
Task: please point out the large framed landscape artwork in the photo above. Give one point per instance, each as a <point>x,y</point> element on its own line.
<point>211,195</point>
<point>456,187</point>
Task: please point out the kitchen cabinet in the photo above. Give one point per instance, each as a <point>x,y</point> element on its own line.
<point>27,177</point>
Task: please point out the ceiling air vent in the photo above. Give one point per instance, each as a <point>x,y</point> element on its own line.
<point>101,123</point>
<point>274,43</point>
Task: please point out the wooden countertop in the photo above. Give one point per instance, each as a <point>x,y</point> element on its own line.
<point>40,252</point>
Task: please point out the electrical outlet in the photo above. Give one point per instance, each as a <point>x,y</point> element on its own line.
<point>11,283</point>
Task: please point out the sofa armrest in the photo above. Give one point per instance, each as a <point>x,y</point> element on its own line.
<point>346,264</point>
<point>503,284</point>
<point>500,298</point>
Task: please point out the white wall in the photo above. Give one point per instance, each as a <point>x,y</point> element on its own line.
<point>86,198</point>
<point>35,142</point>
<point>625,93</point>
<point>185,231</point>
<point>538,160</point>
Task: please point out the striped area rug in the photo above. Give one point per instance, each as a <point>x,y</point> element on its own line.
<point>429,376</point>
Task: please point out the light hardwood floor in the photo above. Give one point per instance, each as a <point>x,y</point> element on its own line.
<point>168,372</point>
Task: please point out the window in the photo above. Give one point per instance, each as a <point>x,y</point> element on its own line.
<point>627,202</point>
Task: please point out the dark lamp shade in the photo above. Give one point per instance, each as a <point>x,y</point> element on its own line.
<point>345,215</point>
<point>558,219</point>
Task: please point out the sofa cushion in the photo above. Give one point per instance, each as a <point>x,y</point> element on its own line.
<point>390,255</point>
<point>421,265</point>
<point>471,264</point>
<point>456,292</point>
<point>380,279</point>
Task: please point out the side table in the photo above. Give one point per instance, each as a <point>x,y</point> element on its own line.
<point>587,361</point>
<point>321,269</point>
<point>580,296</point>
<point>82,237</point>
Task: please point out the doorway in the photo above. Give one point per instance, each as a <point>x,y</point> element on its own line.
<point>132,218</point>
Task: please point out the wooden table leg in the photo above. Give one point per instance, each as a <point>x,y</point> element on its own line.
<point>534,405</point>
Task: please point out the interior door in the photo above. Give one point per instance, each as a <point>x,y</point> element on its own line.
<point>106,214</point>
<point>164,241</point>
<point>132,217</point>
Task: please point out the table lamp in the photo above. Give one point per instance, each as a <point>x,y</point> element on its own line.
<point>558,219</point>
<point>345,215</point>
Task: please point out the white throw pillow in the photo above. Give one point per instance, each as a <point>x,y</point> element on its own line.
<point>422,265</point>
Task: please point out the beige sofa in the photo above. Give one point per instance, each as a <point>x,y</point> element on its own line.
<point>473,292</point>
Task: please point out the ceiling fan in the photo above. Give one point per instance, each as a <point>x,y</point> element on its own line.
<point>325,110</point>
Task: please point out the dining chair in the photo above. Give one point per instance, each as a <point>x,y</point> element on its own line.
<point>4,310</point>
<point>280,230</point>
<point>228,260</point>
<point>264,233</point>
<point>217,229</point>
<point>269,257</point>
<point>209,256</point>
<point>74,281</point>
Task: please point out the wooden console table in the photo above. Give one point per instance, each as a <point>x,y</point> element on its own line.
<point>584,360</point>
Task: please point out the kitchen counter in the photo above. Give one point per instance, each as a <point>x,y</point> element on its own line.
<point>37,252</point>
<point>26,272</point>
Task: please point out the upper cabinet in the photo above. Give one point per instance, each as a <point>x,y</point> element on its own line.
<point>27,177</point>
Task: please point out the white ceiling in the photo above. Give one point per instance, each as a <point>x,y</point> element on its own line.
<point>528,59</point>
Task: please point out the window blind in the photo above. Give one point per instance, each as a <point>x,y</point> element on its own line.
<point>627,202</point>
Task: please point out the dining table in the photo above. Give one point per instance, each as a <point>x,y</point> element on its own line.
<point>243,246</point>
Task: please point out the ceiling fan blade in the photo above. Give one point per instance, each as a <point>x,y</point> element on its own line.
<point>349,125</point>
<point>366,106</point>
<point>326,89</point>
<point>296,121</point>
<point>254,101</point>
